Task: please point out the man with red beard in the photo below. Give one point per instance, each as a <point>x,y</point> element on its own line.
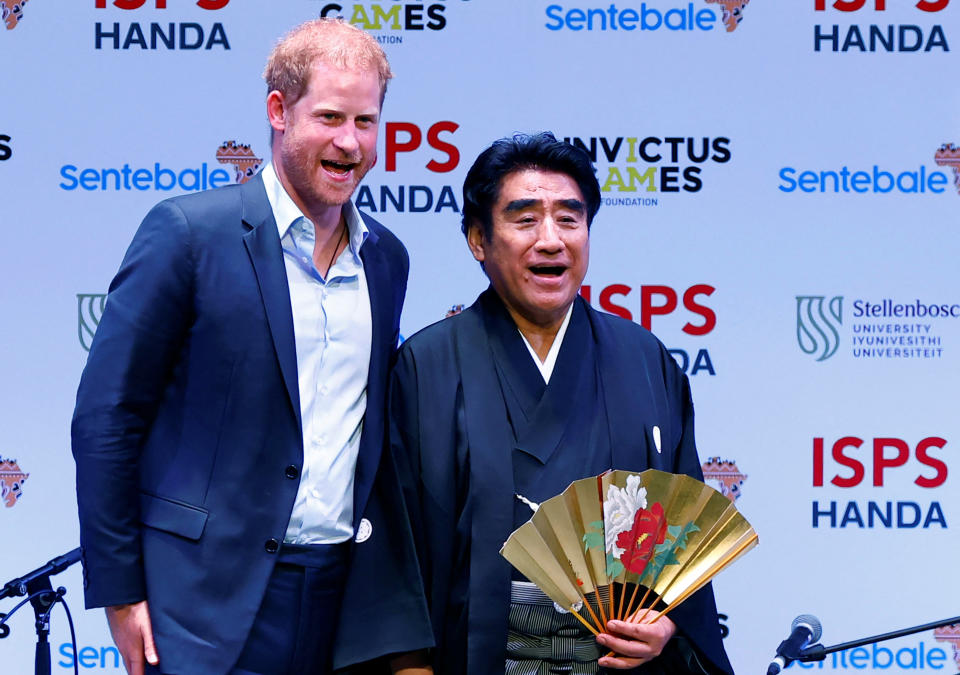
<point>503,405</point>
<point>230,419</point>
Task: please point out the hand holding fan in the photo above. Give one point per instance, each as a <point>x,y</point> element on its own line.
<point>665,533</point>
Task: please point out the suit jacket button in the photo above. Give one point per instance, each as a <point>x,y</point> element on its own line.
<point>292,472</point>
<point>272,546</point>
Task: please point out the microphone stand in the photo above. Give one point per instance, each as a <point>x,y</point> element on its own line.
<point>818,652</point>
<point>36,585</point>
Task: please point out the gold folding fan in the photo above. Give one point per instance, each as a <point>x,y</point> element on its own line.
<point>607,540</point>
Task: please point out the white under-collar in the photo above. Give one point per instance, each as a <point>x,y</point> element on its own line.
<point>546,367</point>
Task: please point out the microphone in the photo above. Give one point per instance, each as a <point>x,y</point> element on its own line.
<point>804,630</point>
<point>19,586</point>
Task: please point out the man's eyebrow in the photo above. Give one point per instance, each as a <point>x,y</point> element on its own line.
<point>520,205</point>
<point>574,205</point>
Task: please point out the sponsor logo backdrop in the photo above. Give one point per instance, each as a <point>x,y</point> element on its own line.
<point>780,207</point>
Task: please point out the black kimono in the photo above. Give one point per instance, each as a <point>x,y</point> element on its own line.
<point>473,424</point>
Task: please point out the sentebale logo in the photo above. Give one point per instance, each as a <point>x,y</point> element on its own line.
<point>89,310</point>
<point>949,155</point>
<point>244,160</point>
<point>732,12</point>
<point>11,482</point>
<point>724,475</point>
<point>818,321</point>
<point>648,16</point>
<point>950,634</point>
<point>163,178</point>
<point>11,12</point>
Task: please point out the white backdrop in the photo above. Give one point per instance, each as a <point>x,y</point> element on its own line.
<point>823,181</point>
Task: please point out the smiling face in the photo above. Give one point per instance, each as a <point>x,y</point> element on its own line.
<point>539,246</point>
<point>326,141</point>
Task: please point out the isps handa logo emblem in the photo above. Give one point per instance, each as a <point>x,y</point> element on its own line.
<point>818,325</point>
<point>11,482</point>
<point>11,12</point>
<point>89,310</point>
<point>724,476</point>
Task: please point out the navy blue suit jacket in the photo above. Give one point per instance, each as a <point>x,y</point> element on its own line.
<point>188,421</point>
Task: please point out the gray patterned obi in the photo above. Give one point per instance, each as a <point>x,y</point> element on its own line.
<point>543,641</point>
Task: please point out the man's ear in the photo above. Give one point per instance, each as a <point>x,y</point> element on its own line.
<point>476,241</point>
<point>276,108</point>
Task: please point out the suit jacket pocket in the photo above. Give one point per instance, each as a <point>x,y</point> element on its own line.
<point>172,516</point>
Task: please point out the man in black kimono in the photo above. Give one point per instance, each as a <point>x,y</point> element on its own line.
<point>509,401</point>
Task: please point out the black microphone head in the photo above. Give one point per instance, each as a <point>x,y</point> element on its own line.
<point>811,622</point>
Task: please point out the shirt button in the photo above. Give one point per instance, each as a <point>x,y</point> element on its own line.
<point>323,390</point>
<point>292,472</point>
<point>271,545</point>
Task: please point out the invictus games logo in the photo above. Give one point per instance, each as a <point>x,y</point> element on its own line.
<point>243,159</point>
<point>818,323</point>
<point>89,310</point>
<point>11,482</point>
<point>392,18</point>
<point>950,634</point>
<point>640,171</point>
<point>11,12</point>
<point>724,476</point>
<point>949,155</point>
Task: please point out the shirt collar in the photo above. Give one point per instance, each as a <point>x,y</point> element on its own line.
<point>286,212</point>
<point>546,367</point>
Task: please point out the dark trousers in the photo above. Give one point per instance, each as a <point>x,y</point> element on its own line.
<point>293,631</point>
<point>295,625</point>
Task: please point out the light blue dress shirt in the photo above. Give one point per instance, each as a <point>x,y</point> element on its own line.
<point>332,328</point>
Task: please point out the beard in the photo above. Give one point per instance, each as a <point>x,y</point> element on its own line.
<point>303,166</point>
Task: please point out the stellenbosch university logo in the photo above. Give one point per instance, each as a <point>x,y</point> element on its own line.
<point>672,306</point>
<point>390,20</point>
<point>879,329</point>
<point>11,11</point>
<point>724,476</point>
<point>409,148</point>
<point>876,179</point>
<point>11,482</point>
<point>633,170</point>
<point>818,324</point>
<point>909,471</point>
<point>162,178</point>
<point>659,15</point>
<point>89,310</point>
<point>862,26</point>
<point>156,35</point>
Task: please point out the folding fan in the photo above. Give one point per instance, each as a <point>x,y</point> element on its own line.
<point>595,547</point>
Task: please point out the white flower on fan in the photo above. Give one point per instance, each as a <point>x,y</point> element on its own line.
<point>619,511</point>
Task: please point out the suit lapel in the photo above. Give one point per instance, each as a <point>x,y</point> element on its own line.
<point>491,487</point>
<point>632,407</point>
<point>263,246</point>
<point>371,442</point>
